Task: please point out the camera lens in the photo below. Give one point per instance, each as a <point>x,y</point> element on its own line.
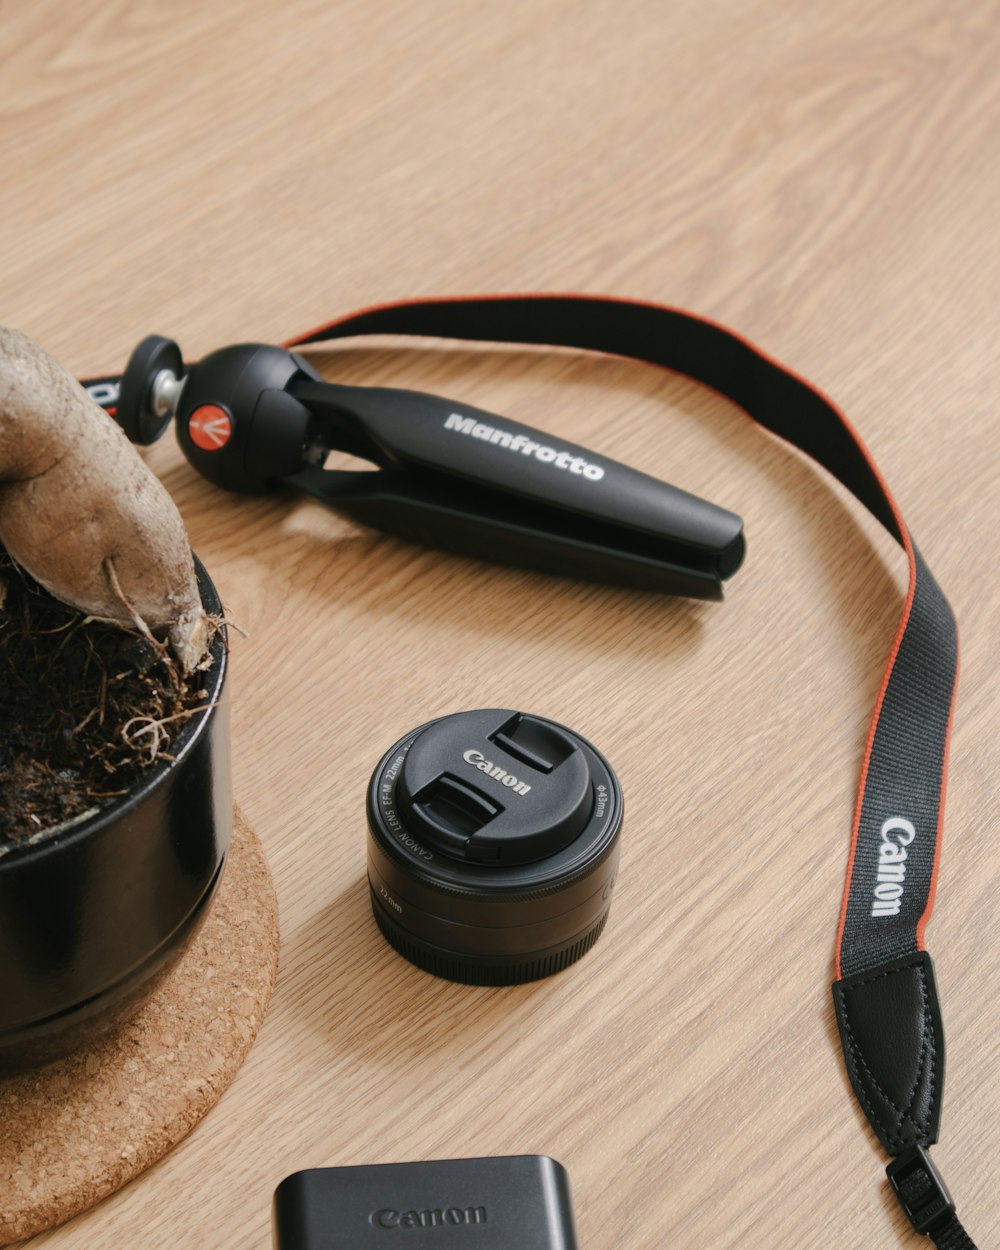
<point>493,846</point>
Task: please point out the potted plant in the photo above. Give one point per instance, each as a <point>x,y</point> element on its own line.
<point>115,802</point>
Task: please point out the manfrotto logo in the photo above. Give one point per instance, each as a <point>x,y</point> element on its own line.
<point>472,428</point>
<point>477,760</point>
<point>897,834</point>
<point>437,1217</point>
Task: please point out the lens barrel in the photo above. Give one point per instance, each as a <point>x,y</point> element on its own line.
<point>493,846</point>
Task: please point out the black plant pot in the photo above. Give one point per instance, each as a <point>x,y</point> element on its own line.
<point>92,917</point>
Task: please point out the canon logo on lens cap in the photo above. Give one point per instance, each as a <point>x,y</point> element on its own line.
<point>475,758</point>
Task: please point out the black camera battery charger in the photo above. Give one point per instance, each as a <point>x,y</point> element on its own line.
<point>517,1203</point>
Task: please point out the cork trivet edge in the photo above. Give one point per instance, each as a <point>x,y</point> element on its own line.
<point>78,1130</point>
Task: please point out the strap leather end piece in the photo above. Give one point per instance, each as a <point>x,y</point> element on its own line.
<point>893,1040</point>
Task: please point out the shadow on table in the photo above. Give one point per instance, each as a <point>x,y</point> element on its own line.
<point>341,980</point>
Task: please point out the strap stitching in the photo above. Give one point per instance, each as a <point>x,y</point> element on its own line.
<point>927,1047</point>
<point>927,1054</point>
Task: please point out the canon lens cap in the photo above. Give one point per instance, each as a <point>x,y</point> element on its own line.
<point>493,846</point>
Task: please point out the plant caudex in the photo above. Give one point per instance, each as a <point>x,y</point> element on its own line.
<point>81,512</point>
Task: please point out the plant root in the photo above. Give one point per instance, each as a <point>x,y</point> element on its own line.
<point>88,708</point>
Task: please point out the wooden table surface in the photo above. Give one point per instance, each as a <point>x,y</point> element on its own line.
<point>825,178</point>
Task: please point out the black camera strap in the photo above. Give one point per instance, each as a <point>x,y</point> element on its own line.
<point>886,1004</point>
<point>885,998</point>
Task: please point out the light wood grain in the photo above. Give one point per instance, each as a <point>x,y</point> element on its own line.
<point>823,177</point>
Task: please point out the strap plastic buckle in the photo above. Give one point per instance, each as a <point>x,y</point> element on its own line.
<point>922,1193</point>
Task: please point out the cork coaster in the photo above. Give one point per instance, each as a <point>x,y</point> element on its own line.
<point>77,1130</point>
